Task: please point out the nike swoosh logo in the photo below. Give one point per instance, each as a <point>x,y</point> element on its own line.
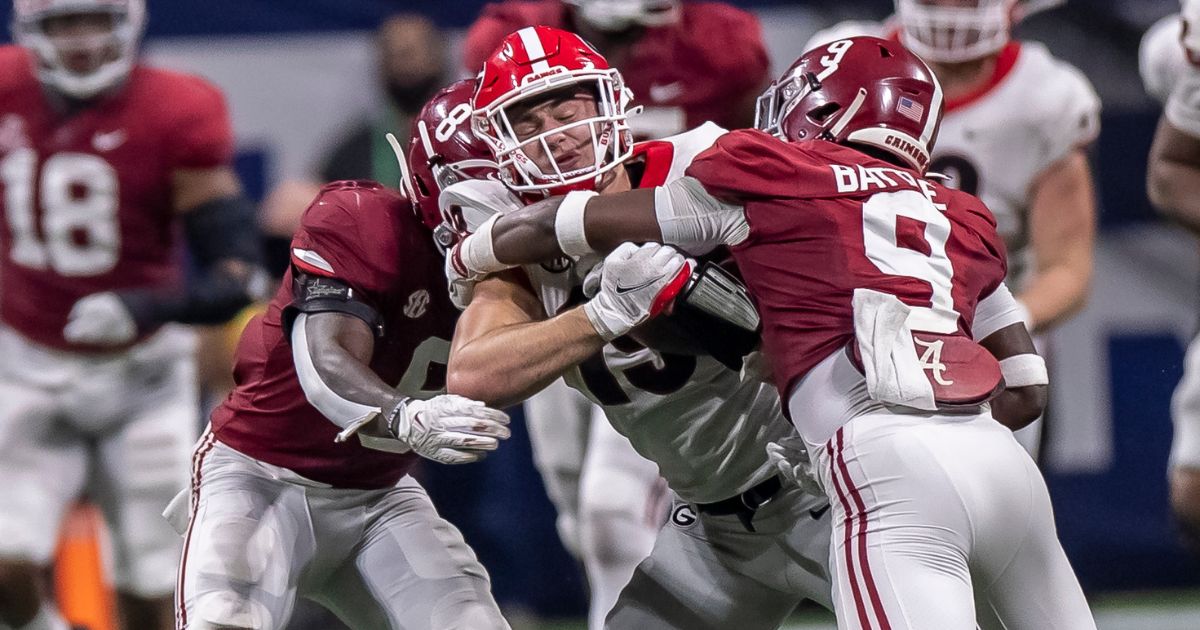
<point>623,290</point>
<point>108,141</point>
<point>817,513</point>
<point>662,92</point>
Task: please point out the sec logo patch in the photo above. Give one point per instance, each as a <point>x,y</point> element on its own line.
<point>683,515</point>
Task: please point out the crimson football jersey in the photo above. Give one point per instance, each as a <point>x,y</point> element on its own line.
<point>367,237</point>
<point>699,69</point>
<point>825,220</point>
<point>87,203</point>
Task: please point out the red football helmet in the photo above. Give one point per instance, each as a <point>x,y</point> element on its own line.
<point>532,62</point>
<point>442,151</point>
<point>860,90</point>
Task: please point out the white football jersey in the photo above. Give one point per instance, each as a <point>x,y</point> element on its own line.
<point>994,145</point>
<point>703,424</point>
<point>1168,74</point>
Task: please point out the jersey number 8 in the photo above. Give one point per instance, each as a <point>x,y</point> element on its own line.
<point>78,212</point>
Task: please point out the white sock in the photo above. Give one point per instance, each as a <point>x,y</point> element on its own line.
<point>46,619</point>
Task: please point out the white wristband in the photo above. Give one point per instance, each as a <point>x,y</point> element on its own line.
<point>478,253</point>
<point>1023,370</point>
<point>1023,312</point>
<point>568,223</point>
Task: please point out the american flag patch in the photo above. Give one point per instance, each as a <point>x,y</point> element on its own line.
<point>910,109</point>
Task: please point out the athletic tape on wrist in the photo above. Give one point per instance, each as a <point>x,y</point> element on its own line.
<point>592,310</point>
<point>478,253</point>
<point>1025,315</point>
<point>1023,370</point>
<point>568,223</point>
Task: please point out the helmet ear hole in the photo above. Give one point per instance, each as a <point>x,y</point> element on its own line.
<point>821,114</point>
<point>884,52</point>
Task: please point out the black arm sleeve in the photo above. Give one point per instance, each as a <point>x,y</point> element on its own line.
<point>218,230</point>
<point>314,294</point>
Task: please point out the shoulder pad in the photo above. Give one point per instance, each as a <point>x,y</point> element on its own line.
<point>477,200</point>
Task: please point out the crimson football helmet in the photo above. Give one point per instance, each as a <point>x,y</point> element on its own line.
<point>528,64</point>
<point>114,52</point>
<point>619,15</point>
<point>860,90</point>
<point>443,150</point>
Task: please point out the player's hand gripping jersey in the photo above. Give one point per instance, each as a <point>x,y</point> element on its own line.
<point>699,69</point>
<point>996,141</point>
<point>366,238</point>
<point>88,195</point>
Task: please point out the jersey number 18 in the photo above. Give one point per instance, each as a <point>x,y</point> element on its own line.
<point>78,230</point>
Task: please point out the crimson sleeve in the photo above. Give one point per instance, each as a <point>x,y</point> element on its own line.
<point>331,243</point>
<point>201,133</point>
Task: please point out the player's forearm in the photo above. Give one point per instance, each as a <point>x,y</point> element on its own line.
<point>537,233</point>
<point>331,352</point>
<point>1174,190</point>
<point>1056,292</point>
<point>509,364</point>
<point>527,236</point>
<point>1016,408</point>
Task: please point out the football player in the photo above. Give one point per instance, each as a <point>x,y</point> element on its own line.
<point>738,551</point>
<point>890,331</point>
<point>104,162</point>
<point>1016,129</point>
<point>687,63</point>
<point>301,486</point>
<point>1170,65</point>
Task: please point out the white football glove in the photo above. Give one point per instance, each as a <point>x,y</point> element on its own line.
<point>448,429</point>
<point>637,283</point>
<point>100,319</point>
<point>790,458</point>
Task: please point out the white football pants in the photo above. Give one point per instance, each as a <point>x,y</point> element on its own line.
<point>942,522</point>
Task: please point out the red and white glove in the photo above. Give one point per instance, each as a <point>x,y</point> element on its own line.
<point>637,283</point>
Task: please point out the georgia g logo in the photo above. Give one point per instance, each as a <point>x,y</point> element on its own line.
<point>683,515</point>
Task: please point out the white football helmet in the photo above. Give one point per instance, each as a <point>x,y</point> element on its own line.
<point>119,47</point>
<point>618,15</point>
<point>952,31</point>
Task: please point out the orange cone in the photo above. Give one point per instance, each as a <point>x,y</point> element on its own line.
<point>85,596</point>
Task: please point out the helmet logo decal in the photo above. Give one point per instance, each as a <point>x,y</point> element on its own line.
<point>910,109</point>
<point>830,62</point>
<point>449,125</point>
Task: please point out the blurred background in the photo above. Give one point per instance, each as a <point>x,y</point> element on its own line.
<point>304,88</point>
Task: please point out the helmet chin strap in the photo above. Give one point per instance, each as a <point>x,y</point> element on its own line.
<point>405,174</point>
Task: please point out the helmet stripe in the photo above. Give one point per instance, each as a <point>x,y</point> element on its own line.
<point>935,108</point>
<point>533,48</point>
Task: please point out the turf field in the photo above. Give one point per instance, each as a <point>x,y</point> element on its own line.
<point>1175,610</point>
